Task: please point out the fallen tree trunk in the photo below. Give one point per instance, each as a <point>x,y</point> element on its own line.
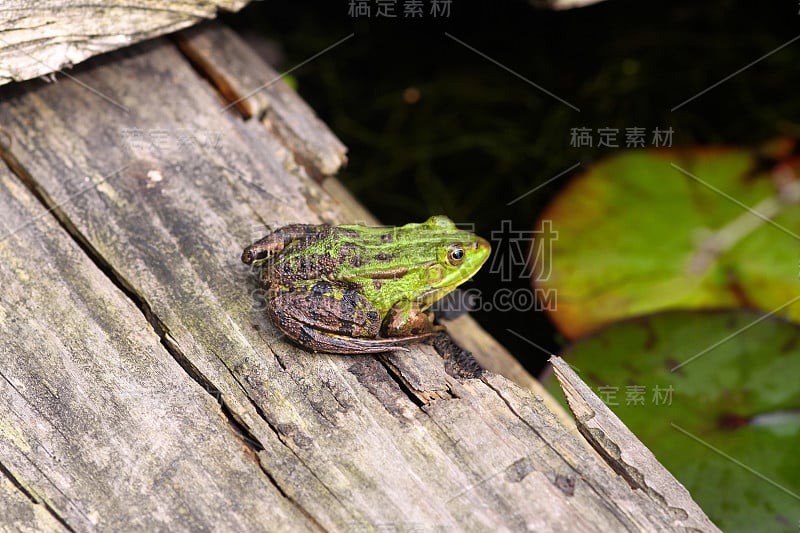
<point>142,385</point>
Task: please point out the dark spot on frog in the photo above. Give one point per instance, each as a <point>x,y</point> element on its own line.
<point>387,237</point>
<point>377,284</point>
<point>350,301</point>
<point>345,250</point>
<point>351,314</point>
<point>373,316</point>
<point>306,267</point>
<point>321,264</point>
<point>280,318</point>
<point>321,288</point>
<point>356,261</point>
<point>346,232</point>
<point>385,257</point>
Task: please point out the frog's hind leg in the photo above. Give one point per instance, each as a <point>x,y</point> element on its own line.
<point>327,318</point>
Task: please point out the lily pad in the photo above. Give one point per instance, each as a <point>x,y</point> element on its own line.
<point>652,230</point>
<point>716,396</point>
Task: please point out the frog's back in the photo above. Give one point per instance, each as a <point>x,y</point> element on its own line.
<point>320,256</point>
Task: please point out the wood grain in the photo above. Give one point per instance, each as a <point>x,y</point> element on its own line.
<point>146,387</point>
<point>101,428</point>
<point>626,453</point>
<point>40,38</point>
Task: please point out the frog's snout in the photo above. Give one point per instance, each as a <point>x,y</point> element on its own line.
<point>481,251</point>
<point>483,245</point>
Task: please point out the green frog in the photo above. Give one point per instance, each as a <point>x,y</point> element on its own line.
<point>354,289</point>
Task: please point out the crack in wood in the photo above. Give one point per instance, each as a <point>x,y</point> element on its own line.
<point>281,438</point>
<point>629,525</point>
<point>238,428</point>
<point>34,406</point>
<point>160,329</point>
<point>396,376</point>
<point>274,125</point>
<point>41,501</point>
<point>242,79</point>
<point>206,70</point>
<point>626,455</point>
<point>19,486</point>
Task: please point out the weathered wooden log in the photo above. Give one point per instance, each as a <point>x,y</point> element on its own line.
<point>142,386</point>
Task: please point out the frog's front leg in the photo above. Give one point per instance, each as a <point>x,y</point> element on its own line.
<point>325,317</point>
<point>277,240</point>
<point>406,317</point>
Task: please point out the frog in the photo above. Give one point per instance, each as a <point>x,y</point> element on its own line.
<point>356,289</point>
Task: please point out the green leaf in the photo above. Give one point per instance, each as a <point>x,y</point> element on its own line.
<point>650,230</point>
<point>738,397</point>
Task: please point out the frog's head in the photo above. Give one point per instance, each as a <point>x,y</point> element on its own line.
<point>459,254</point>
<point>420,261</point>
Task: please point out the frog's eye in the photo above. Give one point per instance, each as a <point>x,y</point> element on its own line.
<point>455,254</point>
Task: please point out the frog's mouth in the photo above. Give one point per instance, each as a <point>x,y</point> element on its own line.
<point>429,298</point>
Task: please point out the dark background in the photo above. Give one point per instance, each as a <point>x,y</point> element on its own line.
<point>434,128</point>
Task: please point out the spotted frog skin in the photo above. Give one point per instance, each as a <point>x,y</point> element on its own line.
<point>354,289</point>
